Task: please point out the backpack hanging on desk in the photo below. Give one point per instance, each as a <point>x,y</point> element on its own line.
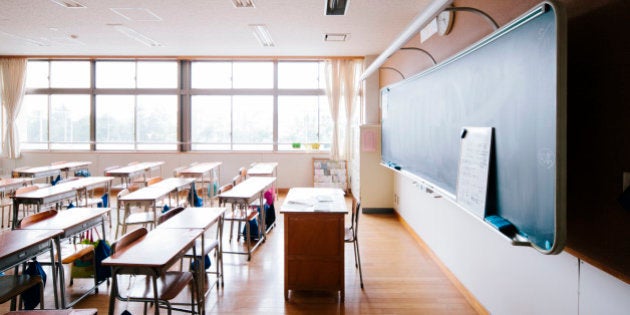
<point>253,229</point>
<point>32,297</point>
<point>102,250</point>
<point>270,210</point>
<point>197,201</point>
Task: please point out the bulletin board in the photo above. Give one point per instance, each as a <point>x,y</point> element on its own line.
<point>329,173</point>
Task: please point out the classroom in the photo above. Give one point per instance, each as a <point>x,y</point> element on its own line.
<point>384,100</point>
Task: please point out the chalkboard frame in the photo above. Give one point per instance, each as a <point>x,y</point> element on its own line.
<point>559,193</point>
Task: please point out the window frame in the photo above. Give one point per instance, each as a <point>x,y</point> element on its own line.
<point>184,93</point>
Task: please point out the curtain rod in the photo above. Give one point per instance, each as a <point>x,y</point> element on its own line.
<point>417,24</point>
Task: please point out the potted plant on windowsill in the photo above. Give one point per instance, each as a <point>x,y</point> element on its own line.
<point>296,145</point>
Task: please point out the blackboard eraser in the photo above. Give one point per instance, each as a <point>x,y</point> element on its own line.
<point>501,224</point>
<point>397,167</point>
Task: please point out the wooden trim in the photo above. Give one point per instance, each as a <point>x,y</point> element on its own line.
<point>474,303</point>
<point>598,264</point>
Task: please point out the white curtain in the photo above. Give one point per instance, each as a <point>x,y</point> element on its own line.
<point>350,89</point>
<point>333,91</point>
<point>12,83</point>
<point>341,87</point>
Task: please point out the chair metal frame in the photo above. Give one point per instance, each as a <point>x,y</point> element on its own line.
<point>352,236</point>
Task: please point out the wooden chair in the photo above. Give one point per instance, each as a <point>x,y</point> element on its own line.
<point>132,215</point>
<point>153,180</point>
<point>210,245</point>
<point>351,236</point>
<point>69,251</point>
<point>243,172</point>
<point>15,172</point>
<point>12,286</point>
<point>169,214</point>
<point>237,180</point>
<point>169,284</point>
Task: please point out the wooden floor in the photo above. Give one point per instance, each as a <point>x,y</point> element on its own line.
<point>399,278</point>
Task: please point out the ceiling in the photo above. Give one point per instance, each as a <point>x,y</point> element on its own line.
<point>199,27</point>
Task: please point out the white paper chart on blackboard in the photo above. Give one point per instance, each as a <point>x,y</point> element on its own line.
<point>474,164</point>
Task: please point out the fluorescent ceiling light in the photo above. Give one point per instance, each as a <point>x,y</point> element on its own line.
<point>243,3</point>
<point>335,37</point>
<point>71,4</point>
<point>28,40</point>
<point>133,34</point>
<point>137,14</point>
<point>336,7</point>
<point>262,34</point>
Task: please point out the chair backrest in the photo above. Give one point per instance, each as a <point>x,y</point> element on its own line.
<point>124,241</point>
<point>355,218</point>
<point>243,172</point>
<point>225,188</point>
<point>237,179</point>
<point>14,173</point>
<point>25,189</point>
<point>154,180</point>
<point>37,217</point>
<point>178,170</point>
<point>169,214</point>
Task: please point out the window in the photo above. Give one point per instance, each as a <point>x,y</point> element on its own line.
<point>138,104</point>
<point>252,120</point>
<point>114,122</point>
<point>243,118</point>
<point>33,122</point>
<point>211,123</point>
<point>59,118</point>
<point>69,122</point>
<point>301,119</point>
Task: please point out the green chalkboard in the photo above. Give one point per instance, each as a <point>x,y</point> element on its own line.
<point>512,81</point>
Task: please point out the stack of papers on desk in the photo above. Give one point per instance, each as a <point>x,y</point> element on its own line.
<point>322,206</point>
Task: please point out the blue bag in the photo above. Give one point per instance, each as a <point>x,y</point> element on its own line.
<point>253,229</point>
<point>31,297</point>
<point>104,203</point>
<point>206,263</point>
<point>56,180</point>
<point>83,173</point>
<point>197,201</point>
<point>102,250</point>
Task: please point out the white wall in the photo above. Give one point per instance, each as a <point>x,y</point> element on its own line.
<point>506,279</point>
<point>294,168</point>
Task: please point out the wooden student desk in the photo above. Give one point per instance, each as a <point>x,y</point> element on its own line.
<point>149,196</point>
<point>243,194</point>
<point>204,172</point>
<point>8,186</point>
<point>201,218</point>
<point>71,222</point>
<point>18,246</point>
<point>152,255</point>
<point>56,194</point>
<point>52,170</point>
<point>11,184</point>
<point>314,240</point>
<point>126,173</point>
<point>269,169</point>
